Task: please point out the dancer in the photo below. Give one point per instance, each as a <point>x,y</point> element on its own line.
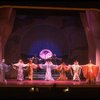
<point>35,59</point>
<point>90,72</point>
<point>3,68</point>
<point>76,70</point>
<point>31,66</point>
<point>48,66</point>
<point>20,67</point>
<point>55,59</point>
<point>62,68</point>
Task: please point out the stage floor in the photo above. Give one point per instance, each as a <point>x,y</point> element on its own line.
<point>43,83</point>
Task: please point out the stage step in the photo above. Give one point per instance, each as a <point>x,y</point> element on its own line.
<point>40,74</point>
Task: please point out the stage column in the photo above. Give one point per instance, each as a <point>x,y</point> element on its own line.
<point>0,49</point>
<point>7,17</point>
<point>98,58</point>
<point>85,18</point>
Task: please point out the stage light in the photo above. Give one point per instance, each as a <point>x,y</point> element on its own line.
<point>32,89</point>
<point>37,89</point>
<point>66,90</point>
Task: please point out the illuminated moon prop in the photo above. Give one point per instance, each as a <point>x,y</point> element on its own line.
<point>45,54</point>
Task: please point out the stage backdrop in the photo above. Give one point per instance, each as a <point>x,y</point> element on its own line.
<point>60,32</point>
